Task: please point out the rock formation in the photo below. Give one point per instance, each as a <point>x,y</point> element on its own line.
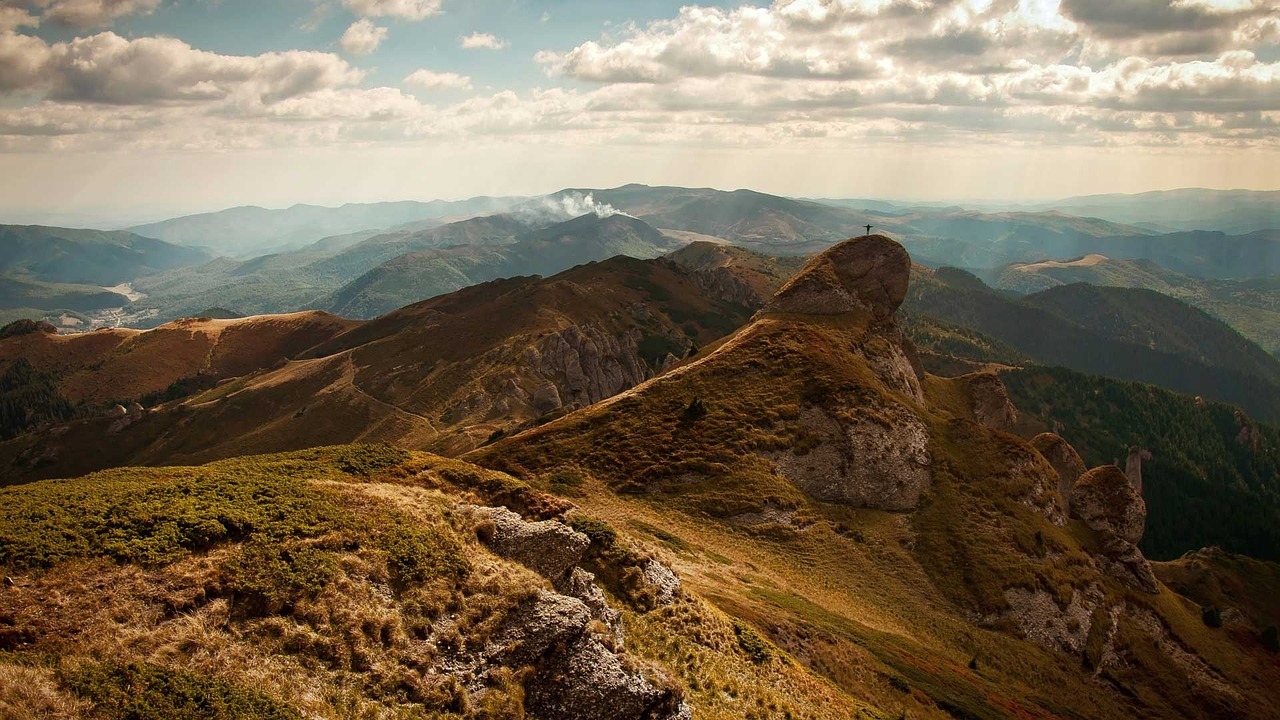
<point>577,674</point>
<point>1064,459</point>
<point>868,274</point>
<point>1108,503</point>
<point>1133,466</point>
<point>989,401</point>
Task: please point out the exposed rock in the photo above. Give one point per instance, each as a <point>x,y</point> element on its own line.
<point>1133,466</point>
<point>549,547</point>
<point>532,629</point>
<point>879,461</point>
<point>1125,562</point>
<point>587,365</point>
<point>1029,469</point>
<point>867,274</point>
<point>588,682</point>
<point>546,398</point>
<point>892,357</point>
<point>1106,502</point>
<point>665,583</point>
<point>581,584</point>
<point>1041,620</point>
<point>119,410</point>
<point>135,409</point>
<point>989,401</point>
<point>1064,459</point>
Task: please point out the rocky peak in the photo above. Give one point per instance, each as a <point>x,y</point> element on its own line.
<point>1107,502</point>
<point>868,274</point>
<point>1064,459</point>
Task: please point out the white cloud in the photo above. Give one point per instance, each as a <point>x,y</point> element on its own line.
<point>481,41</point>
<point>430,80</point>
<point>403,9</point>
<point>95,13</point>
<point>363,37</point>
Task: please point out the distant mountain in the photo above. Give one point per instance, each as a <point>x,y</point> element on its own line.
<point>87,257</point>
<point>1229,211</point>
<point>1213,477</point>
<point>1085,338</point>
<point>255,231</point>
<point>418,275</point>
<point>1251,306</point>
<point>446,373</point>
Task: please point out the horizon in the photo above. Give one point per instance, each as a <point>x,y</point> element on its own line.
<point>155,108</point>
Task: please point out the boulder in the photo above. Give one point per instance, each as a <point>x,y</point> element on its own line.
<point>1133,466</point>
<point>536,627</point>
<point>663,580</point>
<point>989,401</point>
<point>581,584</point>
<point>1105,500</point>
<point>589,682</point>
<point>868,274</point>
<point>549,548</point>
<point>1064,459</point>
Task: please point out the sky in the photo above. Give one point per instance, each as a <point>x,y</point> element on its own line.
<point>129,110</point>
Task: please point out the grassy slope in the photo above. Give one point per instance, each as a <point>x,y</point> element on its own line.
<point>311,584</point>
<point>876,602</point>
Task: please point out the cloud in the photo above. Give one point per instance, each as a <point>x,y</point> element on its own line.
<point>481,41</point>
<point>12,18</point>
<point>363,37</point>
<point>402,9</point>
<point>94,13</point>
<point>107,68</point>
<point>430,80</point>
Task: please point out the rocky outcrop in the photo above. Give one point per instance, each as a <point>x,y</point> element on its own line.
<point>1106,501</point>
<point>868,274</point>
<point>549,548</point>
<point>989,401</point>
<point>584,365</point>
<point>878,461</point>
<point>577,674</point>
<point>1066,462</point>
<point>1133,466</point>
<point>1044,622</point>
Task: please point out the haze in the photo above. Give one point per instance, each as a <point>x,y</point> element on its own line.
<point>124,111</point>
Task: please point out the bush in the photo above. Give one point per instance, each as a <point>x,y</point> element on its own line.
<point>1271,639</point>
<point>696,410</point>
<point>271,577</point>
<point>142,691</point>
<point>1211,616</point>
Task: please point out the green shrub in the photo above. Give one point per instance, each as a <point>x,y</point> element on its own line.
<point>147,692</point>
<point>754,646</point>
<point>368,460</point>
<point>1211,616</point>
<point>1271,638</point>
<point>418,553</point>
<point>271,577</point>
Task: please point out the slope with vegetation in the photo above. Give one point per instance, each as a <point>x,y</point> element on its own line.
<point>447,373</point>
<point>1104,339</point>
<point>863,517</point>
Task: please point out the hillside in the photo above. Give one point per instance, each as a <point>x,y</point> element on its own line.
<point>447,374</point>
<point>86,257</point>
<point>1162,323</point>
<point>1099,348</point>
<point>808,480</point>
<point>92,371</point>
<point>1251,306</point>
<point>251,231</point>
<point>543,251</point>
<point>1231,211</point>
<point>1213,477</point>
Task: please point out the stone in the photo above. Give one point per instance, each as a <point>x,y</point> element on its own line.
<point>1133,466</point>
<point>1105,500</point>
<point>867,274</point>
<point>581,584</point>
<point>663,580</point>
<point>590,682</point>
<point>989,401</point>
<point>1066,462</point>
<point>549,548</point>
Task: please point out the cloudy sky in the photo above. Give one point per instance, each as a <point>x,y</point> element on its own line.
<point>133,109</point>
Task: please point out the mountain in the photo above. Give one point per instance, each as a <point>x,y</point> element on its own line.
<point>1251,306</point>
<point>255,231</point>
<point>545,251</point>
<point>86,257</point>
<point>1160,322</point>
<point>808,480</point>
<point>794,523</point>
<point>447,374</point>
<point>1230,211</point>
<point>1109,346</point>
<point>1212,476</point>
